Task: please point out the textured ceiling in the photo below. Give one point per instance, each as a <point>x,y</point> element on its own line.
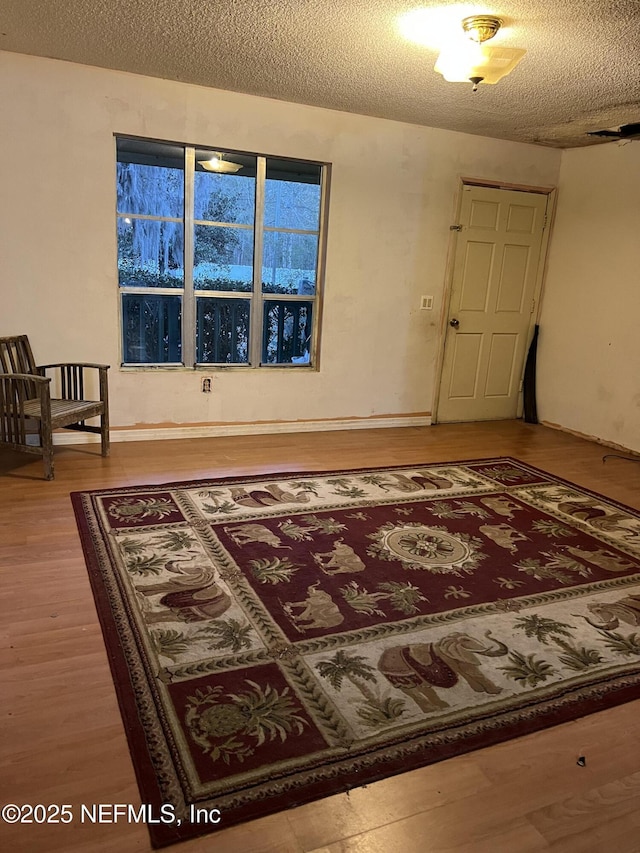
<point>581,71</point>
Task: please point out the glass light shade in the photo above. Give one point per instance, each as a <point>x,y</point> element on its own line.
<point>458,64</point>
<point>217,164</point>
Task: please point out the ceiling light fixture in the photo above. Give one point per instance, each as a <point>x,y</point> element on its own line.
<point>481,28</point>
<point>216,163</point>
<point>471,60</point>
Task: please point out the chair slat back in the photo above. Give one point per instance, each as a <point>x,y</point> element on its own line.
<point>16,357</point>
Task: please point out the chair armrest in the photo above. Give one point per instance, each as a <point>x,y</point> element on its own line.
<point>16,389</point>
<point>72,379</point>
<point>74,364</point>
<point>25,377</point>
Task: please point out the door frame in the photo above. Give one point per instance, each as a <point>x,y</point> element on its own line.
<point>551,193</point>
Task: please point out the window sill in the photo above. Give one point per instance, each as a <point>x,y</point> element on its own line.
<point>214,368</point>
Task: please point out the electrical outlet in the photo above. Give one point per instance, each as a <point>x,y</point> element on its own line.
<point>426,303</point>
<point>207,384</point>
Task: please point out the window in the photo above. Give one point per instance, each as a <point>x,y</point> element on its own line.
<point>217,267</point>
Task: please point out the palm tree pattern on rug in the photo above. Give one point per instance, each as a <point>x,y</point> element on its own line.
<point>288,636</point>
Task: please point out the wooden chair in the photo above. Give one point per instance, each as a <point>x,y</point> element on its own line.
<point>25,395</point>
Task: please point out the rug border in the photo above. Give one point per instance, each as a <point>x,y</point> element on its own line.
<point>135,734</point>
<point>162,835</point>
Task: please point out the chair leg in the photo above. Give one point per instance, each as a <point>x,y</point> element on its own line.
<point>104,418</point>
<point>46,441</point>
<point>104,433</point>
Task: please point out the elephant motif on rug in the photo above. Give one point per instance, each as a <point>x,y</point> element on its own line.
<point>341,559</point>
<point>503,535</point>
<point>317,610</point>
<point>269,495</point>
<point>422,480</point>
<point>603,559</point>
<point>590,512</point>
<point>193,596</point>
<point>607,616</point>
<point>246,534</point>
<point>419,668</point>
<point>501,505</point>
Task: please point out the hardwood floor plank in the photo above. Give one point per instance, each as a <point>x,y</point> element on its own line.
<point>587,811</point>
<point>551,756</point>
<point>620,835</point>
<point>326,821</point>
<point>427,833</point>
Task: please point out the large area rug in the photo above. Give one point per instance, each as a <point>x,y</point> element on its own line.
<point>278,638</point>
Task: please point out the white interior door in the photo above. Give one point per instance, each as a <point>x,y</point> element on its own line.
<point>495,276</point>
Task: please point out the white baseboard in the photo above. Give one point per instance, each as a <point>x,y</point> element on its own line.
<point>215,430</point>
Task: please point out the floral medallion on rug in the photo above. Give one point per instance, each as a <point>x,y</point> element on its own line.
<point>274,639</point>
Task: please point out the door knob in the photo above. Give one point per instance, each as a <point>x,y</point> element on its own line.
<point>455,323</point>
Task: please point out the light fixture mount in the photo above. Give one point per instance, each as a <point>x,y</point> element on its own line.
<point>480,28</point>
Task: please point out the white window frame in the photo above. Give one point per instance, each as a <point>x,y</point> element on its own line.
<point>256,297</point>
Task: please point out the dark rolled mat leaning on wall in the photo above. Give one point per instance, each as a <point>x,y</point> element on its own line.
<point>529,384</point>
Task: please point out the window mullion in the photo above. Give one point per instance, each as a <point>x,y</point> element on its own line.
<point>320,266</point>
<point>188,299</point>
<point>255,355</point>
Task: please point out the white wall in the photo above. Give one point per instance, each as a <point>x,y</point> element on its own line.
<point>589,355</point>
<point>393,197</point>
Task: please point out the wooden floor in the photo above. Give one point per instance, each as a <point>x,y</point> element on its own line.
<point>62,740</point>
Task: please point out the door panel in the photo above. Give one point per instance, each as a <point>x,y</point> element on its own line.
<point>484,214</point>
<point>501,364</point>
<point>513,279</point>
<point>464,373</point>
<point>476,276</point>
<point>521,219</point>
<point>495,274</point>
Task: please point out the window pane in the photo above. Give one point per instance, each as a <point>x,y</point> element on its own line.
<point>150,253</point>
<point>289,263</point>
<point>151,329</point>
<point>287,332</point>
<point>223,258</point>
<point>150,190</point>
<point>225,198</point>
<point>292,195</point>
<point>222,333</point>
